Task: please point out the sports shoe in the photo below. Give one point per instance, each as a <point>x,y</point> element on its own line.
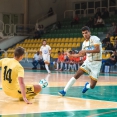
<point>85,89</point>
<point>62,93</point>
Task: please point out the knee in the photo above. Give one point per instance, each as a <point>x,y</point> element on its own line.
<point>37,88</point>
<point>92,86</point>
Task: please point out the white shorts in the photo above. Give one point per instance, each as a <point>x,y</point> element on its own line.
<point>92,68</point>
<point>46,58</point>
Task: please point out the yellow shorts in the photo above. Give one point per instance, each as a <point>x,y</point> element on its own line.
<point>17,93</point>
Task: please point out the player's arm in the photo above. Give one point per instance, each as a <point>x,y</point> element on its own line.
<point>96,49</point>
<point>74,55</point>
<point>22,87</point>
<point>40,51</point>
<point>49,49</point>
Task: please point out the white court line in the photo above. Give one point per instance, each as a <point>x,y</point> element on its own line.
<point>63,110</point>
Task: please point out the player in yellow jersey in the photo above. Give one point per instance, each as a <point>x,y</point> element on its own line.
<point>12,75</point>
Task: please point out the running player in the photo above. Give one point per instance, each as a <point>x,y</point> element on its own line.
<point>92,49</point>
<point>12,75</point>
<point>46,51</point>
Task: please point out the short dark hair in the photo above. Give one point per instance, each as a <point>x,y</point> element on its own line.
<point>44,40</point>
<point>19,51</point>
<point>85,28</point>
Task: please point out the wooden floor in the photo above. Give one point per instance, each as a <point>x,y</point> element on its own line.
<point>101,100</point>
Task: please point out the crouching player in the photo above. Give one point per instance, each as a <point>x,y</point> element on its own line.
<point>12,75</point>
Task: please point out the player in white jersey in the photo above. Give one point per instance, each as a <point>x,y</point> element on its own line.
<point>46,51</point>
<point>91,47</point>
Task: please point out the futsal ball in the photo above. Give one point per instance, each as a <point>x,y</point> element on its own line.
<point>43,83</point>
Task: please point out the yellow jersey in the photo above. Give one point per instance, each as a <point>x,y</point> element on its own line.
<point>11,70</point>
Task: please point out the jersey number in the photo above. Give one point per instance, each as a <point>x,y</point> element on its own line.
<point>7,74</point>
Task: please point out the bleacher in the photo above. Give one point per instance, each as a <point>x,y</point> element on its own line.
<point>66,38</point>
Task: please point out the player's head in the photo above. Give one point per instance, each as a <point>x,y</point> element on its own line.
<point>19,53</point>
<point>59,52</point>
<point>37,52</point>
<point>44,42</point>
<point>86,32</point>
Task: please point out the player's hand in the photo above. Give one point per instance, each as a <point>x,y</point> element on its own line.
<point>82,52</point>
<point>68,54</point>
<point>27,102</point>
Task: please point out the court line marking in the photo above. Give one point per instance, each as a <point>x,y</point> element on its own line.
<point>103,113</point>
<point>76,98</point>
<point>59,111</point>
<point>63,110</point>
<point>54,72</point>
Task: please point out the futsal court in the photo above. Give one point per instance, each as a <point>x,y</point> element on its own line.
<point>99,102</point>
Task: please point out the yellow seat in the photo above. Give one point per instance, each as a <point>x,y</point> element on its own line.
<point>63,40</point>
<point>70,40</point>
<point>108,55</point>
<point>52,40</point>
<point>78,44</point>
<point>66,40</point>
<point>59,40</point>
<point>29,55</point>
<point>58,45</point>
<point>62,45</point>
<point>54,45</point>
<point>26,40</point>
<point>69,45</point>
<point>103,56</point>
<point>103,48</point>
<point>78,40</point>
<point>57,49</point>
<point>61,49</point>
<point>48,40</point>
<point>74,45</point>
<point>112,38</point>
<point>66,45</point>
<point>55,55</point>
<point>55,40</point>
<point>74,40</point>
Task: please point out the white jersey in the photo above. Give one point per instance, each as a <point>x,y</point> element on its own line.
<point>45,49</point>
<point>89,45</point>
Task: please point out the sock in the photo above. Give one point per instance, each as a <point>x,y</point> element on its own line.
<point>74,65</point>
<point>65,66</point>
<point>61,65</point>
<point>46,66</point>
<point>69,84</point>
<point>57,66</point>
<point>47,77</point>
<point>88,86</point>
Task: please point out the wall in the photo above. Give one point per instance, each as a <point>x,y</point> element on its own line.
<point>38,8</point>
<point>12,6</point>
<point>9,42</point>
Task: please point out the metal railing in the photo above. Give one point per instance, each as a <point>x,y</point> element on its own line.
<point>1,26</point>
<point>44,16</point>
<point>85,12</point>
<point>24,29</point>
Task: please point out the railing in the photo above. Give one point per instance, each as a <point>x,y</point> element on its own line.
<point>80,10</point>
<point>5,53</point>
<point>9,29</point>
<point>87,10</point>
<point>43,17</point>
<point>1,26</point>
<point>24,29</point>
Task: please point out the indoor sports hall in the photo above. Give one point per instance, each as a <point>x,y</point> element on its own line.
<point>59,23</point>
